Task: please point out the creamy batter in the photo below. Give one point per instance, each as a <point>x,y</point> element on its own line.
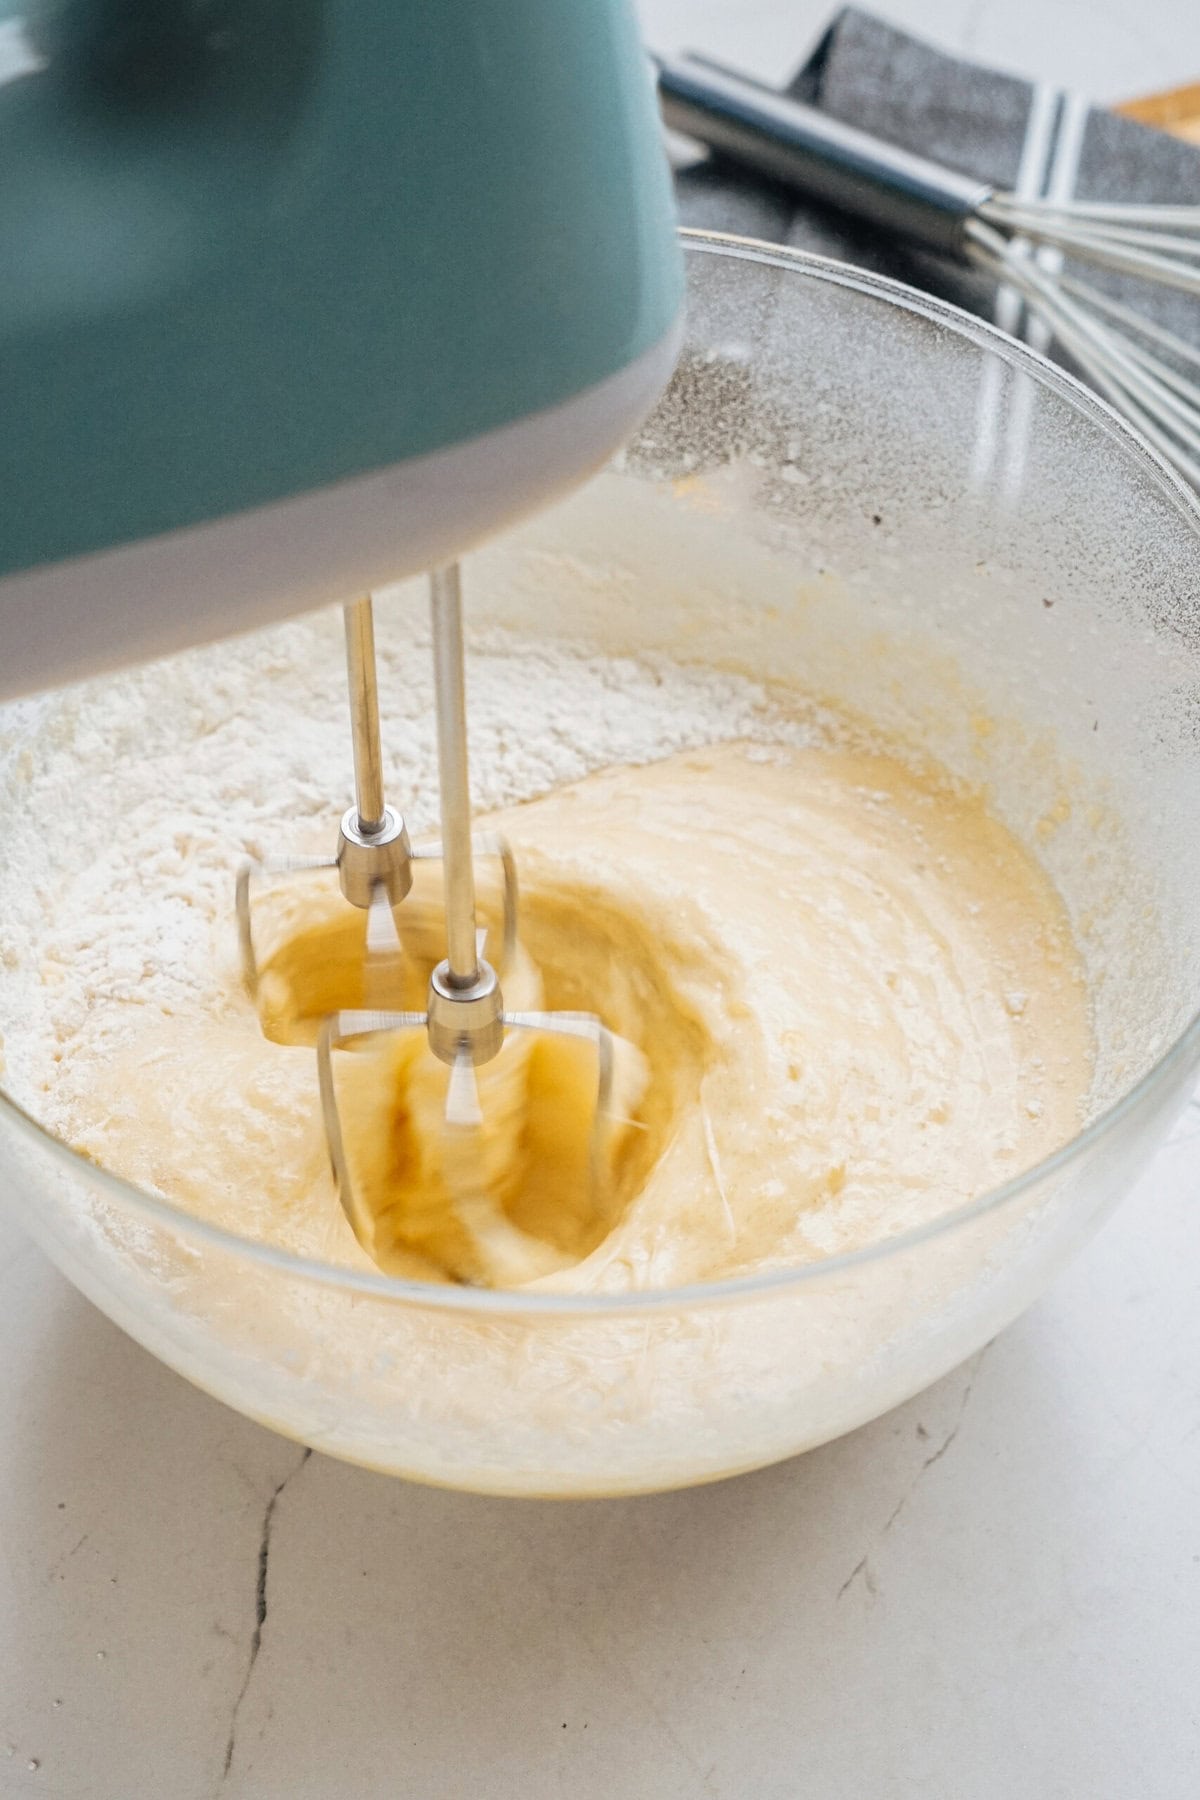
<point>849,998</point>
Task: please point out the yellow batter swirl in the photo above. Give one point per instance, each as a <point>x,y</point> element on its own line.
<point>856,994</point>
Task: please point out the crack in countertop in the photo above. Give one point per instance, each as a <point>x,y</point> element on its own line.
<point>862,1566</point>
<point>260,1609</point>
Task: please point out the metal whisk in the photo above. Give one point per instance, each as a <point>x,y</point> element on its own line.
<point>1148,373</point>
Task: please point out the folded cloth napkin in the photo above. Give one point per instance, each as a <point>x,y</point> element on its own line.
<point>1039,141</point>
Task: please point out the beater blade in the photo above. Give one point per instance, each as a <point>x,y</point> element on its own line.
<point>465,1022</point>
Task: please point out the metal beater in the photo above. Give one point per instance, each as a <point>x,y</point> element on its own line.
<point>465,1019</point>
<point>374,855</point>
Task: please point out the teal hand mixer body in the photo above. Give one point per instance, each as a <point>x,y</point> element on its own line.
<point>302,297</point>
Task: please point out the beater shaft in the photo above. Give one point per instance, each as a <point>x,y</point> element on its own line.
<point>445,605</point>
<point>374,856</point>
<point>364,713</point>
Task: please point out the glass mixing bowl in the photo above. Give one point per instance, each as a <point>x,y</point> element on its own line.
<point>850,487</point>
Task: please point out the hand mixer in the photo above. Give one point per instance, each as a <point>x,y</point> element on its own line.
<point>303,297</point>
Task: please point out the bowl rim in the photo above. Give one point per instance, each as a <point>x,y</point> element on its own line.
<point>500,1303</point>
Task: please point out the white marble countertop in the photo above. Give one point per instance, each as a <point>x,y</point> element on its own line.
<point>993,1591</point>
